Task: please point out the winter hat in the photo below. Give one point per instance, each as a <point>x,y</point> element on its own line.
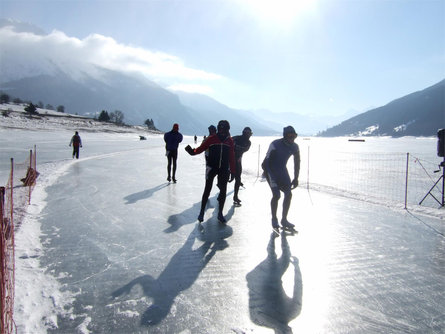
<point>212,128</point>
<point>223,125</point>
<point>176,126</point>
<point>247,131</point>
<point>289,129</point>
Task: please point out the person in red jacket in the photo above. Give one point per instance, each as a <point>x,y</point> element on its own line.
<point>221,163</point>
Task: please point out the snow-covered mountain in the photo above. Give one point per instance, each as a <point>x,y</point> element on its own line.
<point>85,88</point>
<point>418,114</point>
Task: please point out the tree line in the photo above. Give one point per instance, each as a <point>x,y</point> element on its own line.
<point>5,98</point>
<point>116,116</point>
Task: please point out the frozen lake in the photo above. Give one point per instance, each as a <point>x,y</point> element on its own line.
<point>116,249</point>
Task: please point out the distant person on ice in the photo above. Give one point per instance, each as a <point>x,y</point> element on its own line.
<point>275,170</point>
<point>172,140</point>
<point>76,142</point>
<point>242,144</point>
<point>221,162</point>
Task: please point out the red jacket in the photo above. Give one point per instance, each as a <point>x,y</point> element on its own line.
<point>221,152</point>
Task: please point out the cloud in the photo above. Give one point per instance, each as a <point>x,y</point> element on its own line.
<point>191,88</point>
<point>77,56</point>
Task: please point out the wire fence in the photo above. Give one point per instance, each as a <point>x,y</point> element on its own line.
<point>391,179</point>
<point>14,198</point>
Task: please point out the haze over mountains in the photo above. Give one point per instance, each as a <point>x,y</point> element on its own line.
<point>56,76</point>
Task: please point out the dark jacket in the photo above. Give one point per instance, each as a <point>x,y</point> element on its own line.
<point>172,140</point>
<point>242,144</point>
<point>276,159</point>
<point>76,141</point>
<point>221,152</point>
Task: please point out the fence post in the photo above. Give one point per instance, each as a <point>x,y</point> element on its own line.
<point>12,190</point>
<point>258,169</point>
<point>308,158</point>
<point>2,261</point>
<point>406,180</point>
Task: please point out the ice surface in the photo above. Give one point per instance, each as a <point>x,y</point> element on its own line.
<point>109,246</point>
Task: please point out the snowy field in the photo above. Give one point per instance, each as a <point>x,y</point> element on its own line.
<point>109,246</point>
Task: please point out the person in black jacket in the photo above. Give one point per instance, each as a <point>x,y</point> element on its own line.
<point>242,144</point>
<point>76,142</point>
<point>172,140</point>
<point>275,170</point>
<point>221,163</point>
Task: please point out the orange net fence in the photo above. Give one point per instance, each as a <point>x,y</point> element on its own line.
<point>14,198</point>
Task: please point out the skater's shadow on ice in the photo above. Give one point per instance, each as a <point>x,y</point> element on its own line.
<point>133,198</point>
<point>269,306</point>
<point>188,216</point>
<point>180,273</point>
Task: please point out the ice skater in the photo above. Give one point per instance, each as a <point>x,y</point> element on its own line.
<point>221,162</point>
<point>172,140</point>
<point>242,145</point>
<point>274,166</point>
<point>76,142</point>
<point>212,131</point>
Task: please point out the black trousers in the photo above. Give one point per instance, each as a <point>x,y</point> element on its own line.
<point>76,152</point>
<point>223,178</point>
<point>172,156</point>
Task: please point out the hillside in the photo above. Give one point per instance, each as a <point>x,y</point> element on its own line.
<point>418,114</point>
<point>13,116</point>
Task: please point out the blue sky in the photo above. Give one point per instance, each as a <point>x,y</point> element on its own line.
<point>318,57</point>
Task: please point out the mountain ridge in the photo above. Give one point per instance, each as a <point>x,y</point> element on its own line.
<point>420,113</point>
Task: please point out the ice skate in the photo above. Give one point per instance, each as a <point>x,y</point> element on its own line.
<point>275,226</point>
<point>288,226</point>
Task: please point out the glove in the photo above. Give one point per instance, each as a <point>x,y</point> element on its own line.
<point>294,183</point>
<point>232,177</point>
<point>189,150</point>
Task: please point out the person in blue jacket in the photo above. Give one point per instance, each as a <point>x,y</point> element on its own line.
<point>172,140</point>
<point>275,170</point>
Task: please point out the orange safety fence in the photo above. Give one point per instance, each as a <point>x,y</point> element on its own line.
<point>14,198</point>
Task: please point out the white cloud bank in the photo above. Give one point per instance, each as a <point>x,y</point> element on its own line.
<point>24,54</point>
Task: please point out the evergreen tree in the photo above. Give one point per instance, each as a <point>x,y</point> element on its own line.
<point>31,108</point>
<point>104,117</point>
<point>4,98</point>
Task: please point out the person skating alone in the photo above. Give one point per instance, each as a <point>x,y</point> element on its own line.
<point>277,176</point>
<point>221,163</point>
<point>172,140</point>
<point>242,145</point>
<point>76,142</point>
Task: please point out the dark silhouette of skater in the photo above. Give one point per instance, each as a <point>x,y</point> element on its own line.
<point>242,145</point>
<point>172,140</point>
<point>275,170</point>
<point>212,131</point>
<point>269,306</point>
<point>180,273</point>
<point>221,163</point>
<point>76,142</point>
